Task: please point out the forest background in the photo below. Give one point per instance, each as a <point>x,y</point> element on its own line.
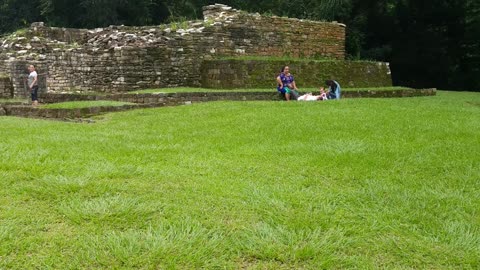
<point>429,43</point>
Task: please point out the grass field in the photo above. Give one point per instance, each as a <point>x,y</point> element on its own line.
<point>355,183</point>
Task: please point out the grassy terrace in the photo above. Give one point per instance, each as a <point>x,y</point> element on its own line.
<point>273,90</point>
<point>355,183</point>
<point>84,104</point>
<point>13,100</point>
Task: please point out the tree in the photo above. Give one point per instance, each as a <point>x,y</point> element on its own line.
<point>16,14</point>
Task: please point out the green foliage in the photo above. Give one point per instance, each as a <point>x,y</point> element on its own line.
<point>16,14</point>
<point>207,23</point>
<point>350,184</point>
<point>178,23</point>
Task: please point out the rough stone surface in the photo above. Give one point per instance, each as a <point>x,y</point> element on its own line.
<point>6,87</point>
<point>233,73</point>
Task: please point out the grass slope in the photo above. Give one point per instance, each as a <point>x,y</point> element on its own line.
<point>358,183</point>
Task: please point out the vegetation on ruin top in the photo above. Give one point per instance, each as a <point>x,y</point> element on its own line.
<point>256,185</point>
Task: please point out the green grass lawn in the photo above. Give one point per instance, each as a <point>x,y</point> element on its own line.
<point>355,183</point>
<point>273,90</point>
<point>84,104</point>
<point>14,100</point>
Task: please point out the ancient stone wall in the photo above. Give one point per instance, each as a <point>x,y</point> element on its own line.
<point>6,88</point>
<point>67,35</point>
<point>18,73</point>
<point>227,74</point>
<point>253,34</point>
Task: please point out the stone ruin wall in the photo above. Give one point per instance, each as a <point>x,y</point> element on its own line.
<point>6,87</point>
<point>120,58</point>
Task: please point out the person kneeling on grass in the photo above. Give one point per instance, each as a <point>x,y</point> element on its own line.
<point>286,84</point>
<point>310,97</point>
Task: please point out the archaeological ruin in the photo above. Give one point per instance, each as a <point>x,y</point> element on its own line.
<point>227,49</point>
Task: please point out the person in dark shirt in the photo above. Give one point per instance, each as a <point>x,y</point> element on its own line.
<point>334,90</point>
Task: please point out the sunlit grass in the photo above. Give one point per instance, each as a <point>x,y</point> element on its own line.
<point>357,183</point>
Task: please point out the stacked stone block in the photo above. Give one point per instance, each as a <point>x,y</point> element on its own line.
<point>6,87</point>
<point>228,74</point>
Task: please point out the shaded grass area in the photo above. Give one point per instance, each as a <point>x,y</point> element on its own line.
<point>273,90</point>
<point>14,100</point>
<point>84,104</point>
<point>355,183</point>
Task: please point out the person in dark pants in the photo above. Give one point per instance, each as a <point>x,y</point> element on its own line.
<point>286,84</point>
<point>33,84</point>
<point>334,90</point>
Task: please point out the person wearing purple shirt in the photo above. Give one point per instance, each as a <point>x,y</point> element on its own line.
<point>286,83</point>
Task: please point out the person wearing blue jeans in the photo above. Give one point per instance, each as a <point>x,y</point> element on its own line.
<point>286,84</point>
<point>334,89</point>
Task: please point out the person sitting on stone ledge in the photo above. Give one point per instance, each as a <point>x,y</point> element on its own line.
<point>311,97</point>
<point>286,84</point>
<point>334,90</point>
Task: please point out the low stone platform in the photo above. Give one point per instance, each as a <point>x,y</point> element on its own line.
<point>226,95</point>
<point>152,100</point>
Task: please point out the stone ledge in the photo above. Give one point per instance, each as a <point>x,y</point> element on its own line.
<point>146,98</point>
<point>35,112</point>
<point>152,100</point>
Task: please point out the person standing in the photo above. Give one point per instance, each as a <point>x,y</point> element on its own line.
<point>33,84</point>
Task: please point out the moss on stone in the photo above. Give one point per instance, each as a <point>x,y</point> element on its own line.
<point>233,73</point>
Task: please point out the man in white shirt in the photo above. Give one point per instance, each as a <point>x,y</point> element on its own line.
<point>33,84</point>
